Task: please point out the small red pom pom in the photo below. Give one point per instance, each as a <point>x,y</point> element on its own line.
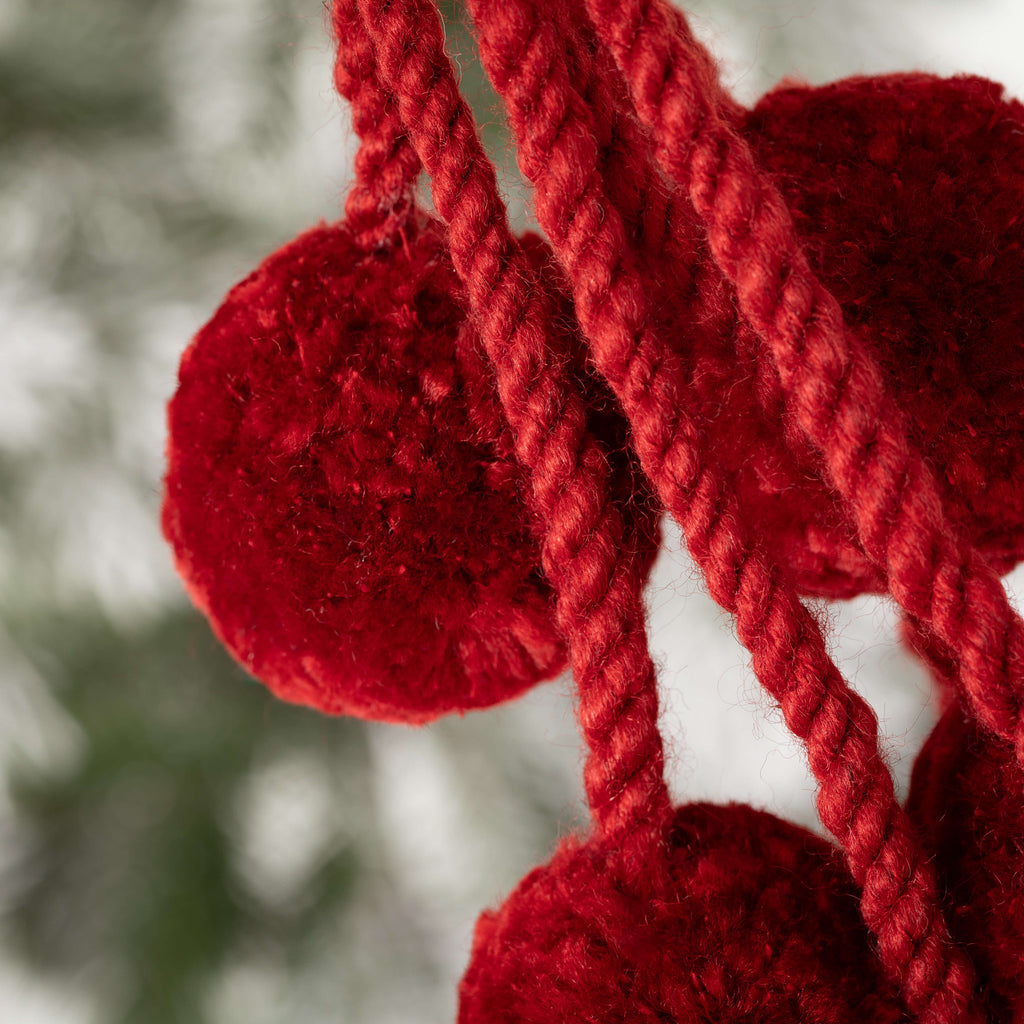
<point>967,796</point>
<point>342,495</point>
<point>907,191</point>
<point>756,921</point>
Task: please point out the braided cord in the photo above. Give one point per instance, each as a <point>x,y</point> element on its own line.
<point>833,386</point>
<point>380,201</point>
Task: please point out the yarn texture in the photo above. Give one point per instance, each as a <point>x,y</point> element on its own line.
<point>967,796</point>
<point>834,389</point>
<point>416,465</point>
<point>342,495</point>
<point>906,192</point>
<point>741,919</point>
<point>560,150</point>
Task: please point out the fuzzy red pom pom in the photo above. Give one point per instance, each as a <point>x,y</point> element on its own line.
<point>571,945</point>
<point>906,189</point>
<point>967,796</point>
<point>342,494</point>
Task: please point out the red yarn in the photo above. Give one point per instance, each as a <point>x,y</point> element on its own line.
<point>342,496</point>
<point>811,328</point>
<point>599,603</point>
<point>835,390</point>
<point>381,198</point>
<point>756,922</point>
<point>906,192</point>
<point>341,493</point>
<point>967,795</point>
<point>559,149</point>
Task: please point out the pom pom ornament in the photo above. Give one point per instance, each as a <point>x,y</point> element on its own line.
<point>967,797</point>
<point>702,943</point>
<point>342,494</point>
<point>906,192</point>
<point>396,485</point>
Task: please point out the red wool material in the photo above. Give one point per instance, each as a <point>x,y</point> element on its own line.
<point>740,918</point>
<point>905,190</point>
<point>967,796</point>
<point>598,604</point>
<point>342,495</point>
<point>578,155</point>
<point>834,389</point>
<point>411,467</point>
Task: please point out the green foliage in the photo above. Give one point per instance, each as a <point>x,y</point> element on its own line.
<point>131,871</point>
<point>147,864</point>
<point>79,69</point>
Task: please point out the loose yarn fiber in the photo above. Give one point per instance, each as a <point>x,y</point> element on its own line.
<point>416,464</point>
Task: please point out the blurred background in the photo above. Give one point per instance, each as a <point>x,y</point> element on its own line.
<point>176,846</point>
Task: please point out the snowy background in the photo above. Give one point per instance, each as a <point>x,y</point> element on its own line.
<point>174,845</point>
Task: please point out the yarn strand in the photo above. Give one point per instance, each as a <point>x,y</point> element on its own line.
<point>380,200</point>
<point>598,588</point>
<point>560,138</point>
<point>834,388</point>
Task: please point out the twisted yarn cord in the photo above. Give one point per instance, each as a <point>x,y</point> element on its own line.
<point>659,220</point>
<point>669,243</point>
<point>933,653</point>
<point>834,388</point>
<point>665,237</point>
<point>380,201</point>
<point>598,587</point>
<point>524,51</point>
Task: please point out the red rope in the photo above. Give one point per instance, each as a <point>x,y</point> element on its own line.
<point>524,51</point>
<point>834,388</point>
<point>380,200</point>
<point>599,601</point>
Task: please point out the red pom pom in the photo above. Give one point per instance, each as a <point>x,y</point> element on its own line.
<point>907,191</point>
<point>756,921</point>
<point>967,796</point>
<point>342,494</point>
